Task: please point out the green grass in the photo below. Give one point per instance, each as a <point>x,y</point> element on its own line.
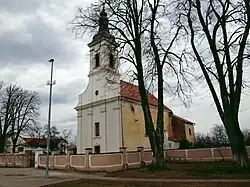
<point>100,183</point>
<point>175,170</point>
<point>207,170</point>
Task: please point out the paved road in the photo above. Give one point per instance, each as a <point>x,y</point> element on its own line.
<point>30,177</point>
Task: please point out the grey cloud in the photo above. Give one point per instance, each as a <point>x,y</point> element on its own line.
<point>34,32</point>
<point>35,39</point>
<point>62,94</point>
<point>45,42</point>
<point>16,6</point>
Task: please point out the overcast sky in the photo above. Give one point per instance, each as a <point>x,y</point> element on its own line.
<point>33,31</point>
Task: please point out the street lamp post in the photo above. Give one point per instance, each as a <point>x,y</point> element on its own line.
<point>50,83</point>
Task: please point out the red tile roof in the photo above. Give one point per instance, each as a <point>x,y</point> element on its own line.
<point>131,91</point>
<point>182,119</point>
<point>35,140</point>
<point>41,140</point>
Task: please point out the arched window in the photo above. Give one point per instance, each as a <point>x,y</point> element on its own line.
<point>190,131</point>
<point>97,60</point>
<point>111,61</point>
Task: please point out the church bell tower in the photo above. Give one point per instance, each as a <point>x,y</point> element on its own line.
<point>98,106</point>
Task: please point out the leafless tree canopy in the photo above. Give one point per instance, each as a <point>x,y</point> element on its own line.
<point>217,137</point>
<point>218,32</point>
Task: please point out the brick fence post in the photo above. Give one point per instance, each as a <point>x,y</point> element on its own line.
<point>52,160</point>
<point>212,152</point>
<point>88,151</point>
<point>14,159</point>
<point>186,154</point>
<point>140,149</point>
<point>68,166</point>
<point>6,160</point>
<point>23,160</point>
<point>123,150</point>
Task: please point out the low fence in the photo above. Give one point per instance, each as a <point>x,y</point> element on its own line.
<point>109,162</point>
<point>15,160</point>
<point>208,154</point>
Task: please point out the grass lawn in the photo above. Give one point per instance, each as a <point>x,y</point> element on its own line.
<point>90,183</point>
<point>189,170</point>
<point>177,170</point>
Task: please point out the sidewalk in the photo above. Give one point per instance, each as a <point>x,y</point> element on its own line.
<point>30,177</point>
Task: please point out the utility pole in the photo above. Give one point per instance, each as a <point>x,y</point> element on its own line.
<point>50,83</point>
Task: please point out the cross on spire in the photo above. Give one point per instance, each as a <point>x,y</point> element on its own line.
<point>103,20</point>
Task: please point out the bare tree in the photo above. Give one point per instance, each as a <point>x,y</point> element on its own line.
<point>66,134</point>
<point>219,136</point>
<point>34,131</point>
<point>218,31</point>
<point>54,132</point>
<point>162,56</point>
<point>8,96</point>
<point>19,110</point>
<point>26,113</point>
<point>203,141</point>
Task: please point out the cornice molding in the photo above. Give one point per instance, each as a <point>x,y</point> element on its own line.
<point>96,103</point>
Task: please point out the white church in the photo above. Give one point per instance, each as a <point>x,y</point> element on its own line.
<point>109,114</point>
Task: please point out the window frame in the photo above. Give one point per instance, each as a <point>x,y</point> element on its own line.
<point>97,130</point>
<point>111,61</point>
<point>99,149</point>
<point>190,131</point>
<point>97,60</point>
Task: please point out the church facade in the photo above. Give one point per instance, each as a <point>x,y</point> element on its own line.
<point>109,113</point>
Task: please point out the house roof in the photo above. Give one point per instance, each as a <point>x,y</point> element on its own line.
<point>35,140</point>
<point>131,91</point>
<point>41,140</point>
<point>182,119</point>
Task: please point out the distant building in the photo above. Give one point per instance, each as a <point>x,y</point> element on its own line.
<point>58,145</point>
<point>109,113</point>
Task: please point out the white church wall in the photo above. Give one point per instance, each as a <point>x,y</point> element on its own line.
<point>108,116</point>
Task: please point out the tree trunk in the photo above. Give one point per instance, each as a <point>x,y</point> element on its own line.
<point>236,138</point>
<point>2,144</point>
<point>160,162</point>
<point>239,151</point>
<point>13,146</point>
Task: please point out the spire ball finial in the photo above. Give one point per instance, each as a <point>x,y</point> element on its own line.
<point>103,13</point>
<point>103,6</point>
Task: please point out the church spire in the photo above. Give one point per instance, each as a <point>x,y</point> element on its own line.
<point>103,31</point>
<point>103,20</point>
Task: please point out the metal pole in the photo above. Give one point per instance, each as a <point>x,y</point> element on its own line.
<point>49,115</point>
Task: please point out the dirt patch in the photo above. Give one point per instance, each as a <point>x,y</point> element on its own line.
<point>188,170</point>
